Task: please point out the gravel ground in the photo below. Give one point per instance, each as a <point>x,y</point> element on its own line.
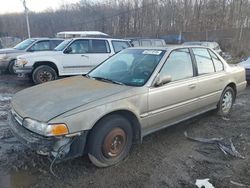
<point>164,159</point>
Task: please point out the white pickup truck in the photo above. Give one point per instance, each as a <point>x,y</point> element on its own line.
<point>72,57</point>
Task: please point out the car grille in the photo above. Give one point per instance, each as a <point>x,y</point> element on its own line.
<point>18,118</point>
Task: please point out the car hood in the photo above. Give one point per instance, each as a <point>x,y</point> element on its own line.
<point>8,51</point>
<point>46,101</point>
<point>38,54</point>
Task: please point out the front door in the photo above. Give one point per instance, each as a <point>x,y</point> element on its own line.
<point>75,59</point>
<point>176,99</point>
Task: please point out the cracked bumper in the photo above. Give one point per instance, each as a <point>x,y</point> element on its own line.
<point>23,70</point>
<point>48,145</point>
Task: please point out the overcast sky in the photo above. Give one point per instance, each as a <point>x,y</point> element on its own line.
<point>10,6</point>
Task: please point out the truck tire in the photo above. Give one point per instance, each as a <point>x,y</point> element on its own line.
<point>11,67</point>
<point>43,73</point>
<point>110,141</point>
<point>226,102</point>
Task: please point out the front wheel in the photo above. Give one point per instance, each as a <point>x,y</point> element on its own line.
<point>110,141</point>
<point>226,101</point>
<point>43,73</point>
<point>11,67</point>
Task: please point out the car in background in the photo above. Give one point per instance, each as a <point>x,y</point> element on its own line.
<point>246,65</point>
<point>146,42</point>
<point>132,94</point>
<point>8,56</point>
<point>72,57</point>
<point>213,45</point>
<point>78,34</point>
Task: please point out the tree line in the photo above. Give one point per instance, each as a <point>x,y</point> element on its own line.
<point>128,18</point>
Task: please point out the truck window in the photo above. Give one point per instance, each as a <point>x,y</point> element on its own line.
<point>40,46</point>
<point>120,45</point>
<point>100,46</point>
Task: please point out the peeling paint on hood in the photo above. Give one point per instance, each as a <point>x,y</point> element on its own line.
<point>46,101</point>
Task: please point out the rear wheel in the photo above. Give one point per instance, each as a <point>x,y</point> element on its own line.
<point>11,67</point>
<point>110,141</point>
<point>43,73</point>
<point>226,102</point>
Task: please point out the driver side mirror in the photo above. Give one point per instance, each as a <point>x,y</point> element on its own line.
<point>68,50</point>
<point>161,80</point>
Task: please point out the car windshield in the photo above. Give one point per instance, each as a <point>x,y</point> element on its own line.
<point>131,67</point>
<point>24,44</point>
<point>61,46</point>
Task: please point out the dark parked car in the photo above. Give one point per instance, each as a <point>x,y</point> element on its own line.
<point>9,55</point>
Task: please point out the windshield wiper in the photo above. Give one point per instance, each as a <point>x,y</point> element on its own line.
<point>108,80</point>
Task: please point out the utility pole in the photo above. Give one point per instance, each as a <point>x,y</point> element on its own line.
<point>26,10</point>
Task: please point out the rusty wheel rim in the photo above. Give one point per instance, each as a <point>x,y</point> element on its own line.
<point>114,143</point>
<point>45,76</point>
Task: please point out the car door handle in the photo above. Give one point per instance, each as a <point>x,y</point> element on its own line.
<point>85,56</point>
<point>192,86</point>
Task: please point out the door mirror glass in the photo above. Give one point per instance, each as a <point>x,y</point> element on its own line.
<point>68,50</point>
<point>161,80</point>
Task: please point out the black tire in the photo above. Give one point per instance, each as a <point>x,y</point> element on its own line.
<point>11,67</point>
<point>103,153</point>
<point>224,109</point>
<point>43,73</point>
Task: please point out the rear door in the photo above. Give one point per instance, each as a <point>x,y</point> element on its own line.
<point>177,99</point>
<point>99,51</point>
<point>210,77</point>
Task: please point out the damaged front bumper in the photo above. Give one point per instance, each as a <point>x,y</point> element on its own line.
<point>62,148</point>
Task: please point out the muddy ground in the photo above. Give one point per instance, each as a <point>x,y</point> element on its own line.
<point>164,159</point>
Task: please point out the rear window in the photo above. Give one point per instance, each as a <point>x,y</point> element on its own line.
<point>135,43</point>
<point>146,43</point>
<point>159,43</point>
<point>100,46</point>
<point>204,62</point>
<point>217,62</point>
<point>120,45</point>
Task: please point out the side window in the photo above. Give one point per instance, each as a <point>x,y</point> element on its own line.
<point>178,65</point>
<point>100,46</point>
<point>55,43</point>
<point>159,43</point>
<point>146,43</point>
<point>204,62</point>
<point>217,62</point>
<point>79,47</point>
<point>135,43</point>
<point>119,45</point>
<point>40,46</point>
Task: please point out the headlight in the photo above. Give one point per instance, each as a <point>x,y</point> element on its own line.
<point>3,56</point>
<point>44,128</point>
<point>21,62</point>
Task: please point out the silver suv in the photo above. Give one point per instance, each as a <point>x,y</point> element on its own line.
<point>9,55</point>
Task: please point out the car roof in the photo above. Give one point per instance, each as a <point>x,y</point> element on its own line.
<point>98,38</point>
<point>46,38</point>
<point>168,47</point>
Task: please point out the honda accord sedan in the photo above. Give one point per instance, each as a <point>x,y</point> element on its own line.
<point>132,94</point>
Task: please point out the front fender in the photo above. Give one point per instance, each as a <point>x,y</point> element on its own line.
<point>78,120</point>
